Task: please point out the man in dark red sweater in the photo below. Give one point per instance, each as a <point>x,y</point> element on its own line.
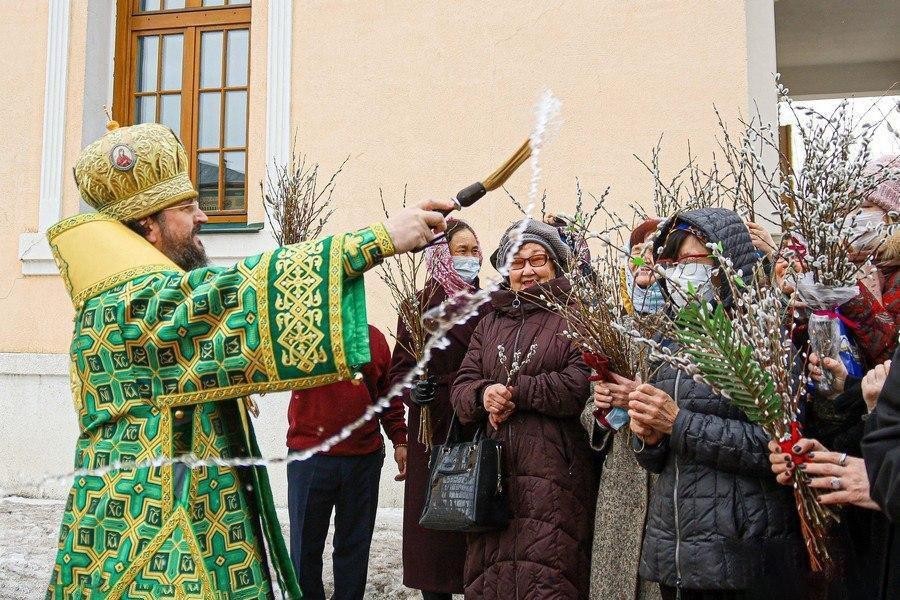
<point>344,479</point>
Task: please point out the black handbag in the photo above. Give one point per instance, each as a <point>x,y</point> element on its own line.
<point>465,485</point>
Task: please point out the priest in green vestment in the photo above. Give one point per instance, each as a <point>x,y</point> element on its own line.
<point>165,351</point>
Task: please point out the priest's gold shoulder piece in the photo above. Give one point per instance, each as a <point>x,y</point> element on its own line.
<point>160,362</point>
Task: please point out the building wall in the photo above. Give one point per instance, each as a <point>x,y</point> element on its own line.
<point>428,95</point>
<point>435,95</point>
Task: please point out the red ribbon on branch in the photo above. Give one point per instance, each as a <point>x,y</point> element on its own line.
<point>787,445</point>
<point>600,365</point>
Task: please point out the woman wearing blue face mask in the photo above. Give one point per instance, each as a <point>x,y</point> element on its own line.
<point>433,560</point>
<point>641,291</point>
<point>718,526</point>
<point>623,493</point>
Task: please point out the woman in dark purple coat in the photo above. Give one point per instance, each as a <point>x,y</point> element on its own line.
<point>433,560</point>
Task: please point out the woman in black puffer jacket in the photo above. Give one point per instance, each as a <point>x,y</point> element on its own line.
<point>719,526</point>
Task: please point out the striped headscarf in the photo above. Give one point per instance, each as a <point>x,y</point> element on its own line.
<point>439,261</point>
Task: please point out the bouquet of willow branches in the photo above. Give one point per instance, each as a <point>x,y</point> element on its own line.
<point>593,304</point>
<point>296,208</point>
<point>819,207</point>
<point>746,355</point>
<point>404,275</point>
<point>596,301</point>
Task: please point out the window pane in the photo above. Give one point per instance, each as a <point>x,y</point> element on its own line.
<point>211,59</point>
<point>234,2</point>
<point>213,2</point>
<point>236,75</point>
<point>235,119</point>
<point>145,109</point>
<point>174,4</point>
<point>172,59</point>
<point>235,170</point>
<point>149,5</point>
<point>208,180</point>
<point>210,105</point>
<point>170,112</point>
<point>148,50</point>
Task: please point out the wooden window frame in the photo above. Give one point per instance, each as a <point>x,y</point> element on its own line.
<point>190,21</point>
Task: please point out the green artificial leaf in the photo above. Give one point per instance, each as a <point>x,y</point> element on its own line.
<point>739,281</point>
<point>708,339</point>
<point>638,261</point>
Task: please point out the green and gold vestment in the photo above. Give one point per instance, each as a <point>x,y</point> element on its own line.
<point>160,362</point>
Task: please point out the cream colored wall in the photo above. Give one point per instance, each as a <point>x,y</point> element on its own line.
<point>436,94</point>
<point>36,312</point>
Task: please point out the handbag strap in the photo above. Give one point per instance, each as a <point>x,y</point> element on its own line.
<point>453,430</point>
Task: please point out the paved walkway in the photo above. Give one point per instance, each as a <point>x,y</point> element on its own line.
<point>29,529</point>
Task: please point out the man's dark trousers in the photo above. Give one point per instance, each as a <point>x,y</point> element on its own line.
<point>349,485</point>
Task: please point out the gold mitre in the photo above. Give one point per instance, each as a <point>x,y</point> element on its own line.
<point>133,172</point>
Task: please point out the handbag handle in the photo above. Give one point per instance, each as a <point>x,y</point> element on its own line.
<point>453,431</point>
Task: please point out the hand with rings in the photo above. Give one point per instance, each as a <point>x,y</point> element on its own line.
<point>844,476</point>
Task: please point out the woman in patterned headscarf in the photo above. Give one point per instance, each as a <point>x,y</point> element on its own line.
<point>433,560</point>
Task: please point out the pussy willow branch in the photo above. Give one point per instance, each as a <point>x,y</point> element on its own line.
<point>405,276</point>
<point>829,188</point>
<point>297,210</point>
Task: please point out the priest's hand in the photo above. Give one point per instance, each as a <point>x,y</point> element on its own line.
<point>415,226</point>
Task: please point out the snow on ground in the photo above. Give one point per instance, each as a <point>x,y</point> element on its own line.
<point>29,528</point>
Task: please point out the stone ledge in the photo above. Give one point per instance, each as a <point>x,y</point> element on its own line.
<point>28,363</point>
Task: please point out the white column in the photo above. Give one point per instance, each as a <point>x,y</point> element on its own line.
<point>278,84</point>
<point>52,155</point>
<point>762,100</point>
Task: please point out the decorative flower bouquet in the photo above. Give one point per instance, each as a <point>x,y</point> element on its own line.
<point>404,275</point>
<point>745,354</point>
<point>819,208</point>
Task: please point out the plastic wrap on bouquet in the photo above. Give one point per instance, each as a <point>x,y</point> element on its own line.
<point>829,331</point>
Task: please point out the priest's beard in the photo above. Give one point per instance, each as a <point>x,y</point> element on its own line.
<point>184,249</point>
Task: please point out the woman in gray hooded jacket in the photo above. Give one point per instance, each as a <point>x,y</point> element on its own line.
<point>719,526</point>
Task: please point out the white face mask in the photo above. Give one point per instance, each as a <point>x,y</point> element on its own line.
<point>691,279</point>
<point>467,267</point>
<point>867,230</point>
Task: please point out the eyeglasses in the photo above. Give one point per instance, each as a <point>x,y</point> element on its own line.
<point>538,260</point>
<point>688,259</point>
<point>190,206</point>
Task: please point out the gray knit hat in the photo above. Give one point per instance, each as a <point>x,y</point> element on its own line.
<point>539,233</point>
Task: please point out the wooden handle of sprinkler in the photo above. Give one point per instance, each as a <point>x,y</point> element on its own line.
<point>465,197</point>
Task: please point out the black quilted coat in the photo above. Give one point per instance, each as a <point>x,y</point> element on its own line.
<point>717,519</point>
<point>545,552</point>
